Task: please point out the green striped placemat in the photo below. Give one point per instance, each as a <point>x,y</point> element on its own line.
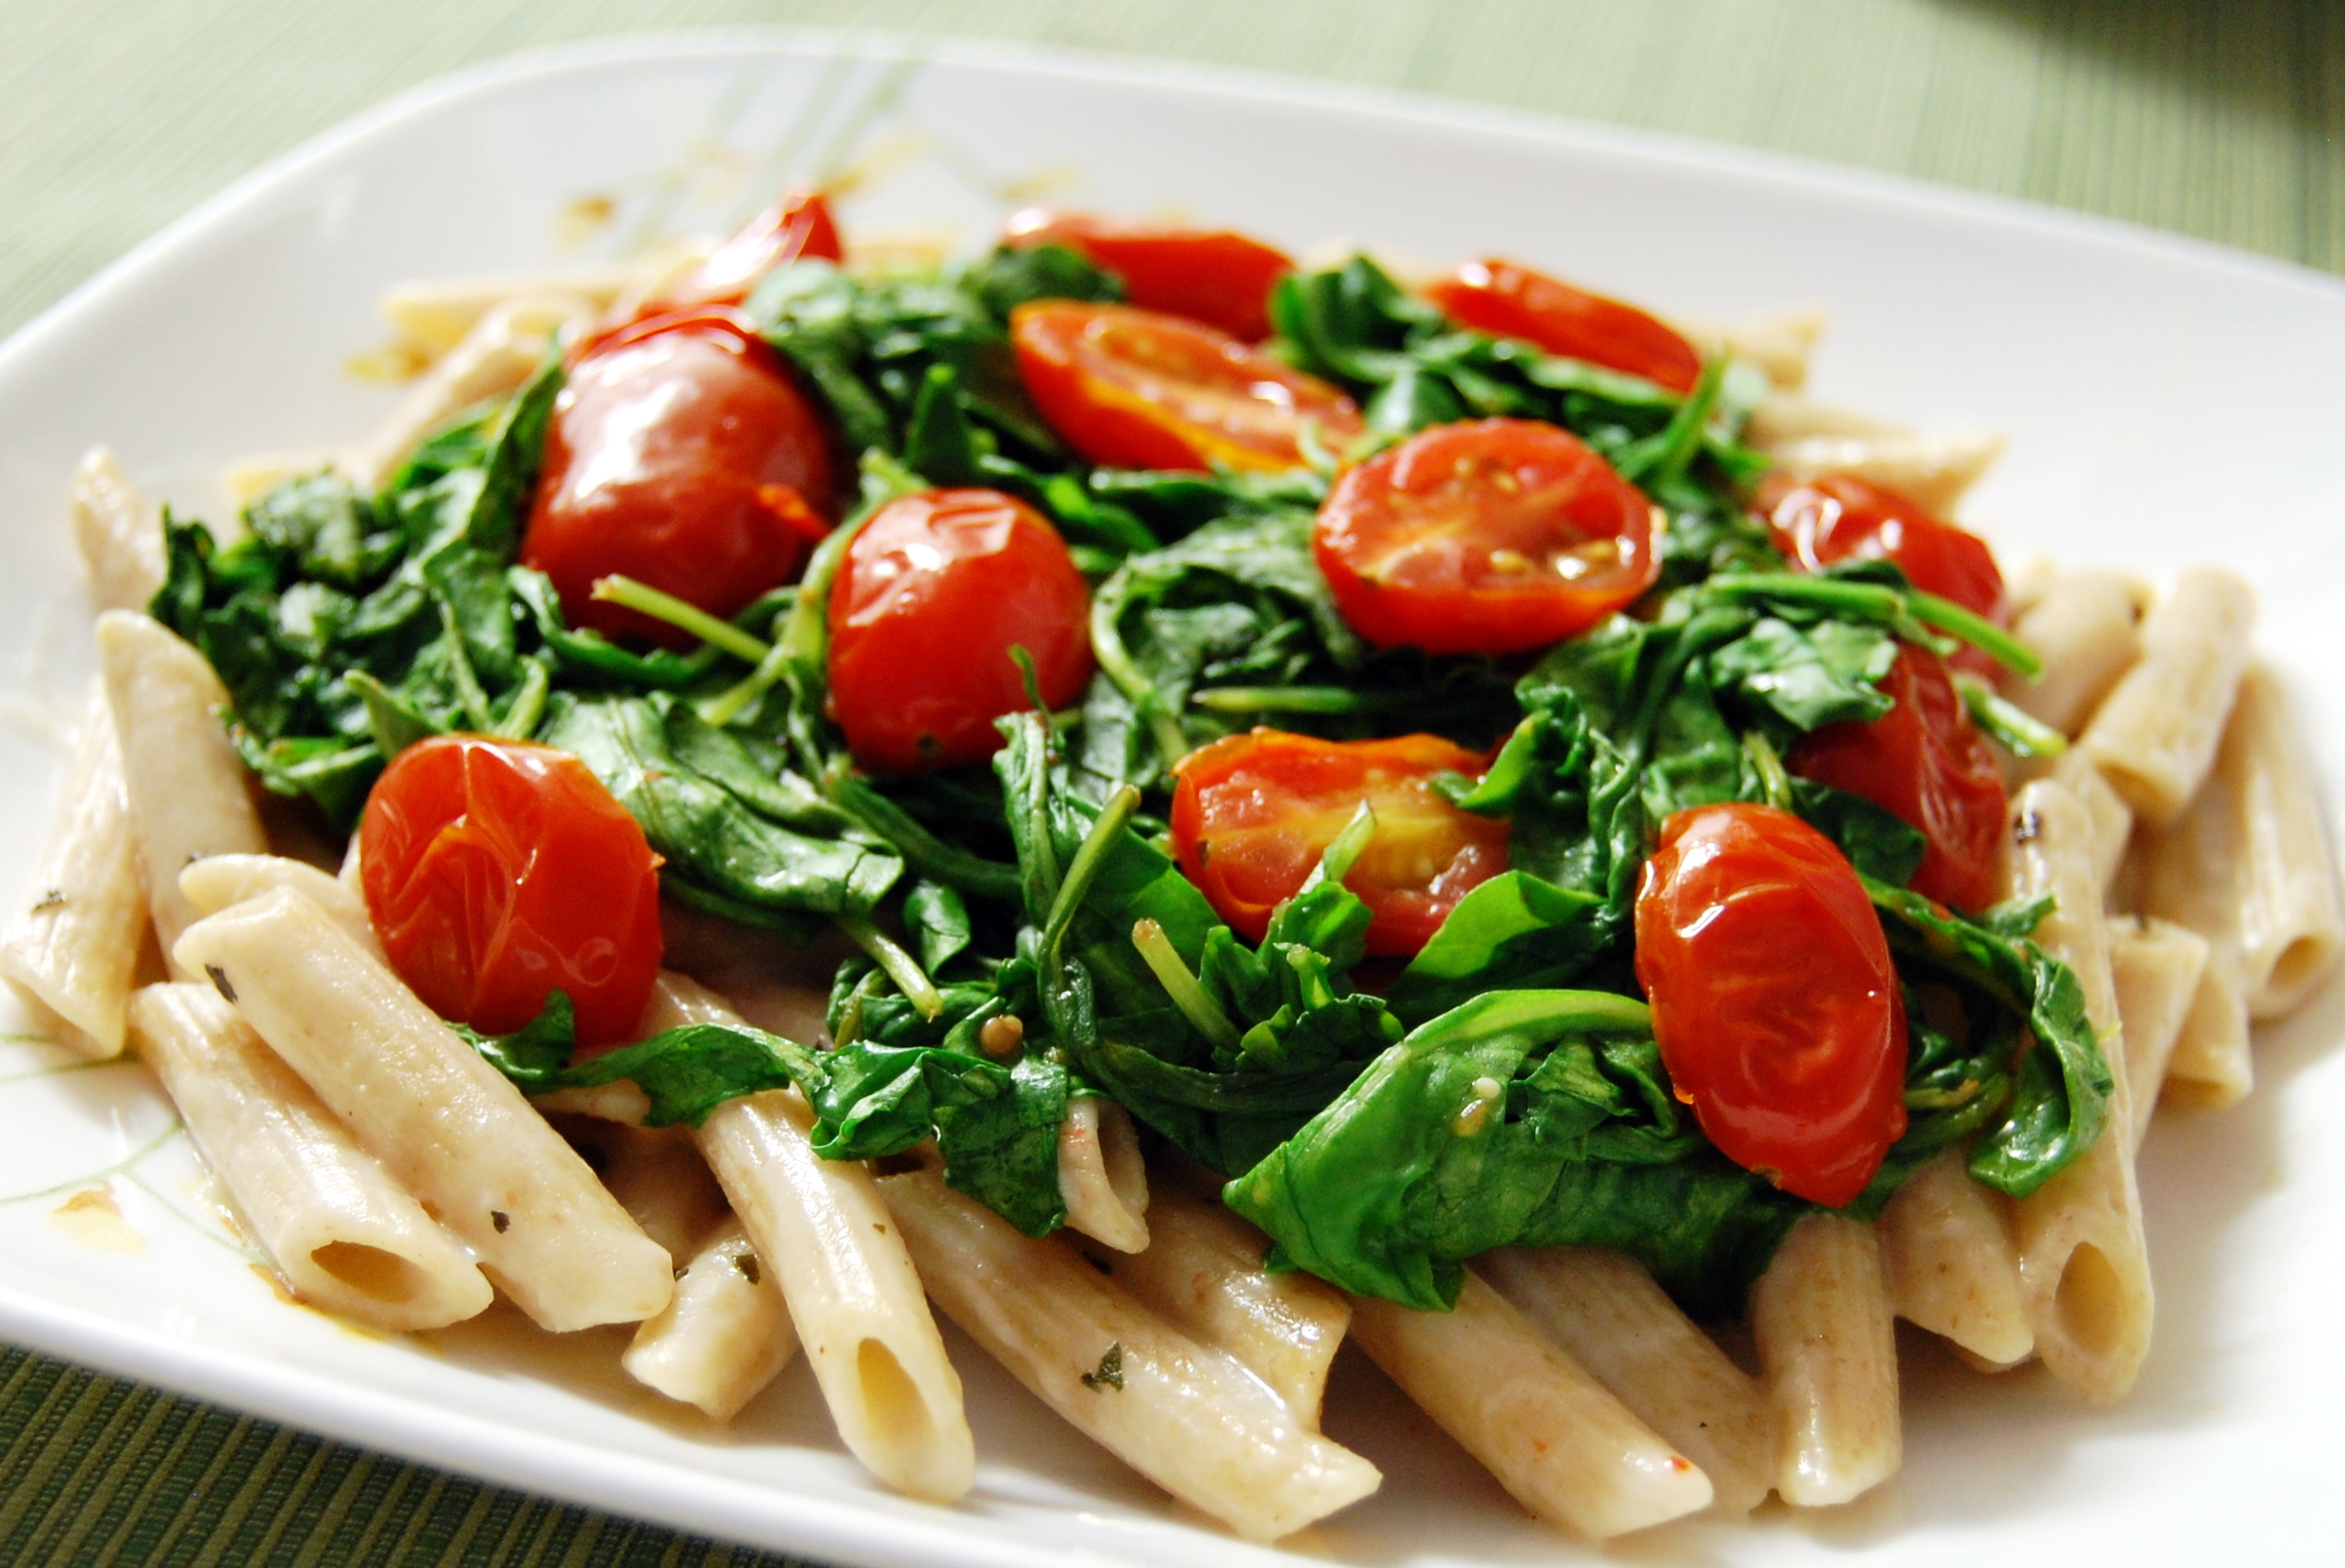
<point>116,116</point>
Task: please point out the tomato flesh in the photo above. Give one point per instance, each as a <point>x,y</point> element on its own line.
<point>498,871</point>
<point>934,592</point>
<point>1252,814</point>
<point>1509,301</point>
<point>1925,761</point>
<point>683,455</point>
<point>1774,1003</point>
<point>1216,275</point>
<point>1132,388</point>
<point>1839,516</point>
<point>1497,535</point>
<point>796,228</point>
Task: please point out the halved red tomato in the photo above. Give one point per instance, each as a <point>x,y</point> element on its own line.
<point>682,454</point>
<point>1493,536</point>
<point>1839,516</point>
<point>1253,813</point>
<point>1214,275</point>
<point>1509,301</point>
<point>1925,761</point>
<point>1132,388</point>
<point>1775,1005</point>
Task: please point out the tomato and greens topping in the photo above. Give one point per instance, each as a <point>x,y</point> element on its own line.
<point>1495,536</point>
<point>1505,300</point>
<point>798,227</point>
<point>1837,517</point>
<point>682,454</point>
<point>497,873</point>
<point>1213,275</point>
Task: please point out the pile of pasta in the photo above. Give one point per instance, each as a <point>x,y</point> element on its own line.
<point>394,1177</point>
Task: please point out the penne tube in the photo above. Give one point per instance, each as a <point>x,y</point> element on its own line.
<point>444,1122</point>
<point>1785,417</point>
<point>432,316</point>
<point>1203,1272</point>
<point>1827,1342</point>
<point>2082,1262</point>
<point>658,1176</point>
<point>724,1334</point>
<point>1947,1252</point>
<point>1931,470</point>
<point>2155,735</point>
<point>344,1234</point>
<point>1100,1178</point>
<point>501,352</point>
<point>1779,343</point>
<point>843,1270</point>
<point>2211,1066</point>
<point>2082,624</point>
<point>1192,1419</point>
<point>1608,1315</point>
<point>1554,1437</point>
<point>2154,966</point>
<point>187,787</point>
<point>72,948</point>
<point>119,533</point>
<point>219,881</point>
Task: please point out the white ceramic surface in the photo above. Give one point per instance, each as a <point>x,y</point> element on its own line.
<point>2166,402</point>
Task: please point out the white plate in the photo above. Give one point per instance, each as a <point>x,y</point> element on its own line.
<point>2166,402</point>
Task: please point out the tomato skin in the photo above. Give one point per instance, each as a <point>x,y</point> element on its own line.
<point>796,228</point>
<point>1775,1005</point>
<point>933,592</point>
<point>682,454</point>
<point>497,872</point>
<point>1217,276</point>
<point>1839,516</point>
<point>1253,813</point>
<point>1926,761</point>
<point>1505,300</point>
<point>1132,388</point>
<point>1457,539</point>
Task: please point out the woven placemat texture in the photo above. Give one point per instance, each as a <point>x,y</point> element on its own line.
<point>2218,120</point>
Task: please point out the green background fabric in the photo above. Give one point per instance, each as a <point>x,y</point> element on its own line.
<point>2217,119</point>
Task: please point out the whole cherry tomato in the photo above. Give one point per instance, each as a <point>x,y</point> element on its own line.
<point>1777,1011</point>
<point>1134,388</point>
<point>799,227</point>
<point>682,454</point>
<point>1839,516</point>
<point>1925,761</point>
<point>1507,300</point>
<point>934,592</point>
<point>1491,536</point>
<point>1253,813</point>
<point>497,872</point>
<point>1213,275</point>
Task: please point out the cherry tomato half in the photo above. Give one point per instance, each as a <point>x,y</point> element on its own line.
<point>798,227</point>
<point>1507,300</point>
<point>497,872</point>
<point>682,454</point>
<point>1491,536</point>
<point>1925,761</point>
<point>1777,1011</point>
<point>934,592</point>
<point>1134,388</point>
<point>1253,813</point>
<point>1839,516</point>
<point>1213,275</point>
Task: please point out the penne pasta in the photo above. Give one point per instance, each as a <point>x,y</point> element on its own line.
<point>2154,966</point>
<point>1192,1419</point>
<point>344,1234</point>
<point>1827,1342</point>
<point>1779,343</point>
<point>432,316</point>
<point>72,948</point>
<point>1610,1318</point>
<point>658,1176</point>
<point>1932,471</point>
<point>442,1120</point>
<point>1785,417</point>
<point>724,1334</point>
<point>1100,1177</point>
<point>1946,1250</point>
<point>187,788</point>
<point>219,881</point>
<point>2082,1262</point>
<point>1554,1437</point>
<point>2155,735</point>
<point>499,352</point>
<point>841,1265</point>
<point>2211,1066</point>
<point>2083,626</point>
<point>119,534</point>
<point>1203,1272</point>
